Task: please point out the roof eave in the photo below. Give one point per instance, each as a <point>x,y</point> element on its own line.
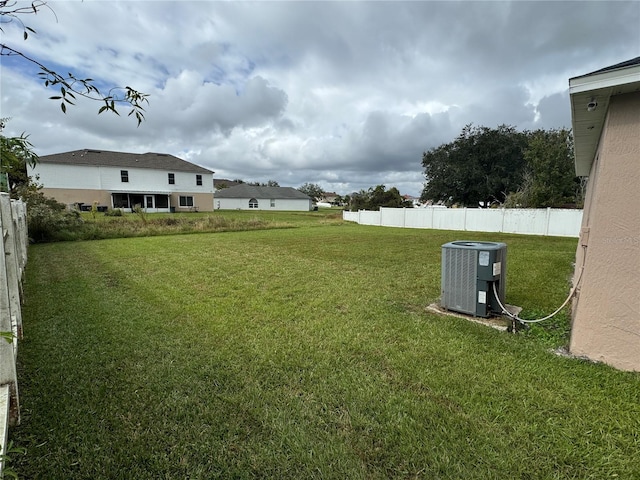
<point>588,123</point>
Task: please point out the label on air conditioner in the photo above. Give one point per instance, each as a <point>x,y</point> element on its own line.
<point>483,259</point>
<point>482,297</point>
<point>497,268</point>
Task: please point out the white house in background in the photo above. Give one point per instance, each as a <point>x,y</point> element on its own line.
<point>328,197</point>
<point>249,197</point>
<point>156,181</point>
<point>415,201</point>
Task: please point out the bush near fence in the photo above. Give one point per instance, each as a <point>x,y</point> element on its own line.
<point>528,221</point>
<point>13,259</point>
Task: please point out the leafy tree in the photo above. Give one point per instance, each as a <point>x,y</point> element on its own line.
<point>15,154</point>
<point>359,201</point>
<point>379,196</point>
<point>47,219</point>
<point>70,85</point>
<point>269,183</point>
<point>480,165</point>
<point>549,179</point>
<point>376,197</point>
<point>313,190</point>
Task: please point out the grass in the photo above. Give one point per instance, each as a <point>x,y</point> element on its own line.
<point>100,226</point>
<point>304,353</point>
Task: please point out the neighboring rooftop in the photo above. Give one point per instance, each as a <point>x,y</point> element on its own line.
<point>158,161</point>
<point>221,183</point>
<point>250,191</point>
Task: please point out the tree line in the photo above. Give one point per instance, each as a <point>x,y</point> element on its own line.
<point>502,166</point>
<point>487,167</point>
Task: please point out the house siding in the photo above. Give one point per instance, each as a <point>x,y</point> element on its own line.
<point>606,311</point>
<point>108,178</point>
<point>263,204</point>
<point>87,184</point>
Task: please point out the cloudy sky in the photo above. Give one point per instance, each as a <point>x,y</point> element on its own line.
<point>345,94</point>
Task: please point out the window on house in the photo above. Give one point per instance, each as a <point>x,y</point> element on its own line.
<point>124,175</point>
<point>198,179</point>
<point>273,203</point>
<point>186,201</point>
<point>172,179</point>
<point>253,203</point>
<point>162,201</point>
<point>120,200</point>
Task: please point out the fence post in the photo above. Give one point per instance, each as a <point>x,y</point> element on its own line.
<point>547,221</point>
<point>7,350</point>
<point>13,259</point>
<point>12,263</point>
<point>19,212</point>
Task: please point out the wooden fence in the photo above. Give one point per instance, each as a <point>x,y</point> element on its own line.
<point>13,259</point>
<point>540,221</point>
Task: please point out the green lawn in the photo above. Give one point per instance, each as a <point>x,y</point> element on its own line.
<point>304,353</point>
<point>70,226</point>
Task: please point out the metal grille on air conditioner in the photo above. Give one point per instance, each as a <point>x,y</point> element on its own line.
<point>469,270</point>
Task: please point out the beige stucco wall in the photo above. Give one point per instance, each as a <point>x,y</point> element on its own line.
<point>77,195</point>
<point>606,312</point>
<point>204,201</point>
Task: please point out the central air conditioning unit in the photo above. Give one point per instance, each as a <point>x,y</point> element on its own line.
<point>469,270</point>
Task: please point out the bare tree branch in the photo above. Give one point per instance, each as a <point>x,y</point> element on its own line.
<point>70,85</point>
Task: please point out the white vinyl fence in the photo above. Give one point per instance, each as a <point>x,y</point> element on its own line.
<point>13,259</point>
<point>540,221</point>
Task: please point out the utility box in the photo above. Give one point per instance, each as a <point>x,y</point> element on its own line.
<point>469,270</point>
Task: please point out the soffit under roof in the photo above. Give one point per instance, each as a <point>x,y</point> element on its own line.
<point>599,87</point>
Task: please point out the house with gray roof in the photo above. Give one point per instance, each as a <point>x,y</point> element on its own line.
<point>158,182</point>
<point>250,197</point>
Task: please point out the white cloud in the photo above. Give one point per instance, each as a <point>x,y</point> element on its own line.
<point>345,94</point>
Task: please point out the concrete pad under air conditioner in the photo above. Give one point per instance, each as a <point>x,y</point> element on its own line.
<point>501,322</point>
